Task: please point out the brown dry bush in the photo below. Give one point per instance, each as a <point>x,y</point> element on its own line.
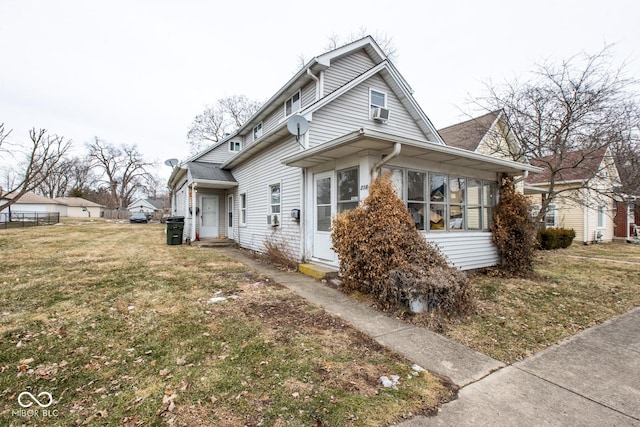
<point>513,232</point>
<point>278,253</point>
<point>383,254</point>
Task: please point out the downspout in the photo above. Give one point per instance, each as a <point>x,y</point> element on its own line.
<point>522,178</point>
<point>317,80</point>
<point>396,151</point>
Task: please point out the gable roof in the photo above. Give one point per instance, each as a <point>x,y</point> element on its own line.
<point>575,166</point>
<point>468,134</point>
<point>78,202</point>
<point>388,73</point>
<point>32,198</point>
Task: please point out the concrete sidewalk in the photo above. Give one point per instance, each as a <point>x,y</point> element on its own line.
<point>591,379</point>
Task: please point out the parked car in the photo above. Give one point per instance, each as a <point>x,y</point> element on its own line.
<point>138,217</point>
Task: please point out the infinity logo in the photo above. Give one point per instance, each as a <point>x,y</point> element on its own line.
<point>33,398</point>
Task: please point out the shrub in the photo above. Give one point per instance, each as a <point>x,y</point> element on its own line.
<point>383,254</point>
<point>513,232</point>
<point>554,238</point>
<point>277,252</point>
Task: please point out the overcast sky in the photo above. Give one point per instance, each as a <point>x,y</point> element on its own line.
<point>137,72</point>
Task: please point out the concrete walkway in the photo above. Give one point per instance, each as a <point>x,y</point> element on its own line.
<point>592,378</point>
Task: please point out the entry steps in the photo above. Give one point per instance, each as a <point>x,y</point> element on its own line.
<point>318,271</point>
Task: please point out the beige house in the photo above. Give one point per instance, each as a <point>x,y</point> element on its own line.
<point>585,194</point>
<point>77,207</point>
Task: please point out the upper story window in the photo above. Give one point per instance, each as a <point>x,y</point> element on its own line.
<point>257,131</point>
<point>235,146</point>
<point>377,98</point>
<point>292,104</point>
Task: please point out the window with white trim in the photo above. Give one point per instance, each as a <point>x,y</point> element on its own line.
<point>551,217</point>
<point>377,98</point>
<point>235,146</point>
<point>274,199</point>
<point>257,131</point>
<point>243,209</point>
<point>292,104</point>
<point>602,210</point>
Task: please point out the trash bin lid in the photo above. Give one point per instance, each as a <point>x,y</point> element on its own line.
<point>175,219</point>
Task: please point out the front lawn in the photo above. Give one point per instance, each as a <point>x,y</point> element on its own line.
<point>573,290</point>
<point>122,329</point>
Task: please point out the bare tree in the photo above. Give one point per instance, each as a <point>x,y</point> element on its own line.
<point>227,115</point>
<point>36,161</point>
<point>122,168</point>
<point>567,114</point>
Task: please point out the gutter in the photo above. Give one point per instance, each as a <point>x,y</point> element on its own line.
<point>317,80</point>
<point>522,178</point>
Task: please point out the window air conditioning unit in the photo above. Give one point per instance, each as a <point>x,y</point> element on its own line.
<point>380,114</point>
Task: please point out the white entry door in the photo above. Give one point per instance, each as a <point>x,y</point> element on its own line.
<point>209,214</point>
<point>324,202</point>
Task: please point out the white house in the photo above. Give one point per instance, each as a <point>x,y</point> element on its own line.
<point>356,116</point>
<point>151,207</point>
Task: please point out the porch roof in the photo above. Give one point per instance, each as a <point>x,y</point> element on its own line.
<point>210,175</point>
<point>367,139</point>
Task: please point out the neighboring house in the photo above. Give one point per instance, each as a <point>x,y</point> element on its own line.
<point>77,207</point>
<point>357,118</point>
<point>151,207</point>
<point>31,202</point>
<point>488,134</point>
<point>585,185</point>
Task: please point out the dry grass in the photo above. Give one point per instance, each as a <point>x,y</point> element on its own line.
<point>518,317</point>
<point>118,327</point>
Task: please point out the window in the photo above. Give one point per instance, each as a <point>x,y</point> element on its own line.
<point>348,189</point>
<point>416,203</point>
<point>243,209</point>
<point>602,210</point>
<point>456,202</point>
<point>274,199</point>
<point>234,146</point>
<point>438,200</point>
<point>292,104</point>
<point>489,201</point>
<point>257,131</point>
<point>551,217</point>
<point>377,98</point>
<point>474,204</point>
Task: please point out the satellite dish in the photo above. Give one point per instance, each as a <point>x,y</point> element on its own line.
<point>297,125</point>
<point>171,162</point>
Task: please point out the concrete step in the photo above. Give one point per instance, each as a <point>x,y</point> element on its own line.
<point>214,243</point>
<point>318,271</point>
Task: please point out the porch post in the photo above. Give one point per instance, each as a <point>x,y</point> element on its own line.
<point>194,214</point>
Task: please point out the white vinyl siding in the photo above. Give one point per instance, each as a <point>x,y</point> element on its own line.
<point>352,111</point>
<point>346,69</point>
<point>220,154</point>
<point>467,250</point>
<point>254,177</point>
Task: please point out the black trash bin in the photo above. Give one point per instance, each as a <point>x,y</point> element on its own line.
<point>175,226</point>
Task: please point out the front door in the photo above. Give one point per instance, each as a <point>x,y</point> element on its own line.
<point>323,211</point>
<point>209,215</point>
